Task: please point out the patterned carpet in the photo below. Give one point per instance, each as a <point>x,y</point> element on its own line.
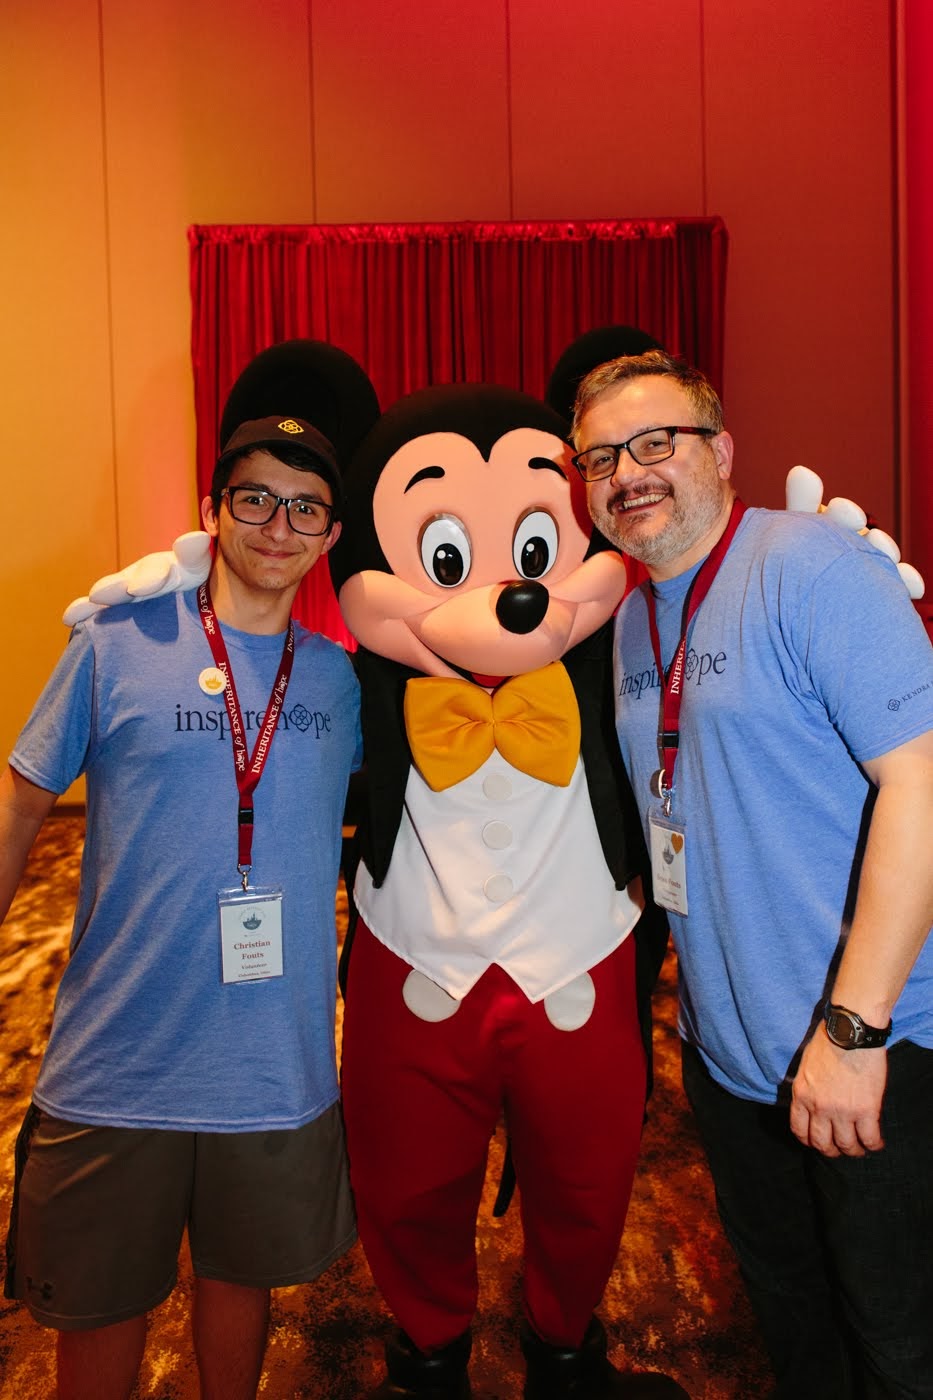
<point>674,1304</point>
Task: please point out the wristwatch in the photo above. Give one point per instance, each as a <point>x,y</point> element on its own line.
<point>847,1029</point>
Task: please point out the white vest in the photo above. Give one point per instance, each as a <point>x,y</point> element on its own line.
<point>500,868</point>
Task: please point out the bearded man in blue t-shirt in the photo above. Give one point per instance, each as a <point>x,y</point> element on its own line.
<point>774,703</point>
<point>190,1079</point>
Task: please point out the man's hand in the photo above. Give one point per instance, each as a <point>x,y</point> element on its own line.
<point>173,570</point>
<point>836,1104</point>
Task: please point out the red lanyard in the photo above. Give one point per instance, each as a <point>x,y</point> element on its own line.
<point>662,784</point>
<point>248,770</point>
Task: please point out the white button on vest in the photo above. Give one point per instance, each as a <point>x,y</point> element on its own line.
<point>497,835</point>
<point>497,787</point>
<point>498,888</point>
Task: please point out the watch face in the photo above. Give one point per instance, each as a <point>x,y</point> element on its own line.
<point>841,1029</point>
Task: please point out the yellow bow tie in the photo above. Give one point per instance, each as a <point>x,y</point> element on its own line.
<point>453,726</point>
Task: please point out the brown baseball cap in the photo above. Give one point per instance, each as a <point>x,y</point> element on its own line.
<point>260,433</point>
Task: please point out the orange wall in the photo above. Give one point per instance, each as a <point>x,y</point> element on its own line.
<point>122,124</point>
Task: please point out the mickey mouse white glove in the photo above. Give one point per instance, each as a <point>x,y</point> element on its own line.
<point>804,491</point>
<point>174,570</point>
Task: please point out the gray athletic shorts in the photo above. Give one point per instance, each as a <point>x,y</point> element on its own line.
<point>99,1213</point>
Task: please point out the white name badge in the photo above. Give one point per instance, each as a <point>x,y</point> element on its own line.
<point>668,863</point>
<point>250,934</point>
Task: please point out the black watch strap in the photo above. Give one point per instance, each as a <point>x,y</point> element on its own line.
<point>846,1029</point>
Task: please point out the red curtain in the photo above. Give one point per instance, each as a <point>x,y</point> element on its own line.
<point>420,304</point>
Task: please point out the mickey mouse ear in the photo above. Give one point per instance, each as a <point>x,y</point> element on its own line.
<point>306,379</point>
<point>592,348</point>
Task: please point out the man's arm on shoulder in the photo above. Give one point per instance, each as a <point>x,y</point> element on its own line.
<point>23,809</point>
<point>837,1093</point>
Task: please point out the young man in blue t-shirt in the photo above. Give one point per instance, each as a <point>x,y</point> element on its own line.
<point>774,703</point>
<point>190,1077</point>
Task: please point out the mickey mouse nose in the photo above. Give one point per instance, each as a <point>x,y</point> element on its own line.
<point>521,606</point>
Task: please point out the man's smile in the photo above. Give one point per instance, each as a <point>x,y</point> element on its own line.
<point>639,500</point>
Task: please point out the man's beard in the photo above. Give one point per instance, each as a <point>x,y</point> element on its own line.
<point>692,512</point>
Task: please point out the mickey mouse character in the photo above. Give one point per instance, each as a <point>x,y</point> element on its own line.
<point>494,967</point>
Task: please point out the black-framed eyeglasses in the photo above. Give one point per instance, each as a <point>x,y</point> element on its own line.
<point>656,445</point>
<point>251,505</point>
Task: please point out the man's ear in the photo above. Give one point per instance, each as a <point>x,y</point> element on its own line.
<point>209,517</point>
<point>333,535</point>
<point>723,446</point>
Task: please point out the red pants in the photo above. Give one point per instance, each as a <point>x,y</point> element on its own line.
<point>421,1102</point>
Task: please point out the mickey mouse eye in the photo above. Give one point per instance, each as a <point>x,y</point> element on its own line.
<point>534,547</point>
<point>445,550</point>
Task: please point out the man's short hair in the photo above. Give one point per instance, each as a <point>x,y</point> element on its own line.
<point>292,442</point>
<point>695,385</point>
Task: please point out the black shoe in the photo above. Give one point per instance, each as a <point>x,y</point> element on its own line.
<point>586,1373</point>
<point>427,1375</point>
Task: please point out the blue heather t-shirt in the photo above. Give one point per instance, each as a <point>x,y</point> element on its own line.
<point>805,659</point>
<point>145,1033</point>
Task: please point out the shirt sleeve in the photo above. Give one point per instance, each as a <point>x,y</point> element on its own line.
<point>52,750</point>
<point>867,653</point>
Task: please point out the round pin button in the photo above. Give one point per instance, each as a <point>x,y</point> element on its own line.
<point>212,681</point>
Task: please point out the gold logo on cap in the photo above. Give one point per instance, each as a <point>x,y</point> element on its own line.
<point>288,425</point>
